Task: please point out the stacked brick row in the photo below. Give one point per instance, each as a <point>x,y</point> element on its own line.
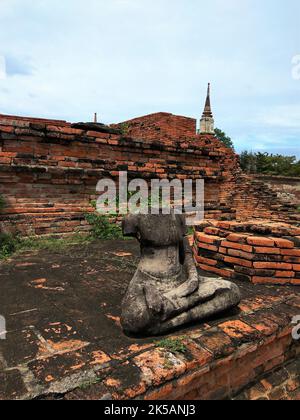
<point>260,253</point>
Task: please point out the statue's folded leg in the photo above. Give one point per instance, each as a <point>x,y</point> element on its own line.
<point>226,297</point>
<point>147,310</point>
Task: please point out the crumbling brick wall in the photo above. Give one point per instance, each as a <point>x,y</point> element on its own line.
<point>254,199</point>
<point>160,126</point>
<point>49,169</point>
<point>286,187</point>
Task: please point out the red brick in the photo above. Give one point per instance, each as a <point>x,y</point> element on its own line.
<point>233,245</point>
<point>98,135</point>
<point>212,231</point>
<point>272,265</point>
<point>291,259</point>
<point>240,254</point>
<point>208,239</point>
<point>264,242</point>
<point>4,160</point>
<point>285,274</point>
<point>199,356</point>
<point>161,394</point>
<point>224,225</point>
<point>283,243</point>
<point>6,129</point>
<point>217,342</point>
<point>237,329</point>
<point>291,252</point>
<point>238,261</point>
<point>270,251</point>
<point>64,130</point>
<point>219,271</point>
<point>234,237</point>
<point>295,282</point>
<point>206,261</point>
<point>207,246</point>
<point>270,280</point>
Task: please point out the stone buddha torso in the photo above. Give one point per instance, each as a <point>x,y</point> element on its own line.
<point>166,290</point>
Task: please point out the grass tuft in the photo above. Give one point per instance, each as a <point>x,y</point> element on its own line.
<point>173,345</point>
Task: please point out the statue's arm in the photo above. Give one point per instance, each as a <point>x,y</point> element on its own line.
<point>192,283</point>
<point>182,298</point>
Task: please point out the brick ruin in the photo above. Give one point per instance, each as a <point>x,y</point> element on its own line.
<point>262,252</point>
<point>287,187</point>
<point>49,170</point>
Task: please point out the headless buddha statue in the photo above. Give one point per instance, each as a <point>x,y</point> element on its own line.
<point>166,291</point>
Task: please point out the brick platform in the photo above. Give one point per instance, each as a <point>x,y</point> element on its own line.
<point>65,341</point>
<point>258,251</point>
<point>282,384</point>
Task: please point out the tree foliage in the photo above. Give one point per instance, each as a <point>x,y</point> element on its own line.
<point>269,164</point>
<point>224,138</point>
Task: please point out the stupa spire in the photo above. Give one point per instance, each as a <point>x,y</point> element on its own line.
<point>207,121</point>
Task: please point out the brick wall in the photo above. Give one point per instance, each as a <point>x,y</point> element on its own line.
<point>287,187</point>
<point>160,126</point>
<point>49,170</point>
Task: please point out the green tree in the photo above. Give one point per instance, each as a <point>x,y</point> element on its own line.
<point>269,164</point>
<point>248,162</point>
<point>224,138</point>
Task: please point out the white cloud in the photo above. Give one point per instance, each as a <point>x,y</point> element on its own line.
<point>283,116</point>
<point>124,58</point>
<point>2,68</point>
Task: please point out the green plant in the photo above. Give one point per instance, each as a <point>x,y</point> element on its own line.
<point>8,245</point>
<point>124,128</point>
<point>52,243</point>
<point>190,230</point>
<point>102,227</point>
<point>173,345</point>
<point>88,384</point>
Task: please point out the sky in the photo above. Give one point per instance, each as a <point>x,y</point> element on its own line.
<point>126,58</point>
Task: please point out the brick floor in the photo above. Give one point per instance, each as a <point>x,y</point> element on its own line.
<point>64,337</point>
